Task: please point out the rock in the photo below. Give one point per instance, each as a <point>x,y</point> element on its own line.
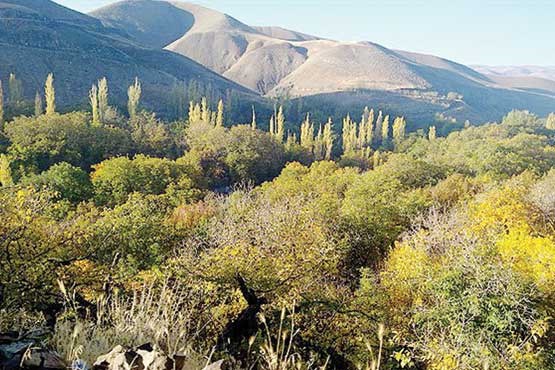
<point>218,365</point>
<point>40,358</point>
<point>26,352</point>
<point>145,357</point>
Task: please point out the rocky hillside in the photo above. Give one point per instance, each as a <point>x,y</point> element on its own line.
<point>39,36</point>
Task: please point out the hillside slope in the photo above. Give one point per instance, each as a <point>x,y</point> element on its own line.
<point>39,36</point>
<point>277,62</point>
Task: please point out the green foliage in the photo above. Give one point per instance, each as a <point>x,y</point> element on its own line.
<point>50,95</point>
<point>134,97</point>
<point>154,138</point>
<point>66,181</point>
<point>230,156</point>
<point>40,142</point>
<point>446,239</point>
<point>115,179</point>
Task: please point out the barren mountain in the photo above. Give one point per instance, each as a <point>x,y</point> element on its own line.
<point>277,62</point>
<point>39,36</point>
<point>547,73</point>
<point>532,78</point>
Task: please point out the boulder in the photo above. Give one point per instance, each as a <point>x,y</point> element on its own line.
<point>145,357</point>
<point>26,352</point>
<point>218,365</point>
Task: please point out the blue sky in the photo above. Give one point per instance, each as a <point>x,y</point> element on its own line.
<point>494,32</point>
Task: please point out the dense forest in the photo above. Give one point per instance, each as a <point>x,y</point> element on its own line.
<point>275,244</point>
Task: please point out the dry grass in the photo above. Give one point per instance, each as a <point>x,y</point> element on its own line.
<point>166,316</point>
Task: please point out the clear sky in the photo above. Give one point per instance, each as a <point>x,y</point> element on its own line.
<point>493,32</point>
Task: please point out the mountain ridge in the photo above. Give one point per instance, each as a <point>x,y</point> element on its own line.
<point>40,37</point>
<point>277,63</point>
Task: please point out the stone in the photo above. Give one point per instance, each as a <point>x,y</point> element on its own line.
<point>218,365</point>
<point>145,357</point>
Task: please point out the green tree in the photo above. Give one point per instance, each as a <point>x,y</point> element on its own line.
<point>15,88</point>
<point>378,129</point>
<point>307,134</point>
<point>40,142</point>
<point>103,104</point>
<point>432,133</point>
<point>93,101</point>
<point>6,178</point>
<point>399,128</point>
<point>550,122</point>
<point>134,97</point>
<point>115,179</point>
<point>385,130</point>
<point>67,181</point>
<point>38,105</point>
<point>280,125</point>
<point>220,114</point>
<point>328,139</point>
<point>253,122</point>
<point>50,95</point>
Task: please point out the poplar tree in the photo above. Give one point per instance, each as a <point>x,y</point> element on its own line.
<point>328,139</point>
<point>319,145</point>
<point>15,90</point>
<point>50,95</point>
<point>220,114</point>
<point>399,127</point>
<point>370,128</point>
<point>204,110</point>
<point>432,133</point>
<point>38,105</point>
<point>362,130</point>
<point>1,105</point>
<point>134,97</point>
<point>307,134</point>
<point>291,140</point>
<point>280,125</point>
<point>272,127</point>
<point>195,112</point>
<point>349,134</point>
<point>102,98</point>
<point>550,122</point>
<point>385,130</point>
<point>191,114</point>
<point>378,129</point>
<point>253,122</point>
<point>93,100</point>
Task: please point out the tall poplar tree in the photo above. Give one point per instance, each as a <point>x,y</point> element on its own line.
<point>93,100</point>
<point>328,139</point>
<point>253,122</point>
<point>50,95</point>
<point>280,125</point>
<point>550,122</point>
<point>378,129</point>
<point>272,128</point>
<point>432,134</point>
<point>307,134</point>
<point>399,128</point>
<point>102,98</point>
<point>133,98</point>
<point>220,114</point>
<point>38,105</point>
<point>204,110</point>
<point>385,130</point>
<point>15,88</point>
